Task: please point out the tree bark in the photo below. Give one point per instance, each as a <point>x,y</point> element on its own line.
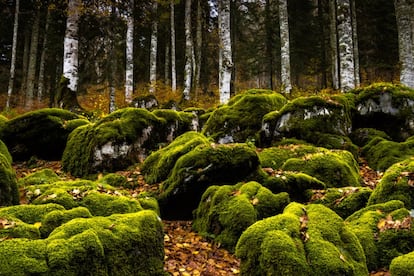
<point>188,67</point>
<point>345,41</point>
<point>13,58</point>
<point>41,87</point>
<point>153,50</point>
<point>71,42</point>
<point>225,51</point>
<point>404,17</point>
<point>129,64</point>
<point>355,46</point>
<point>173,66</point>
<point>284,46</point>
<point>31,72</point>
<point>269,46</point>
<point>198,52</point>
<point>334,44</point>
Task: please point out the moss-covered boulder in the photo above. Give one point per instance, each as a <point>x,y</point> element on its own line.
<point>129,244</point>
<point>381,153</point>
<point>362,136</point>
<point>344,201</point>
<point>121,139</point>
<point>44,176</point>
<point>195,171</point>
<point>304,240</point>
<point>226,211</point>
<point>396,184</point>
<point>115,180</point>
<point>147,101</point>
<point>384,231</point>
<point>240,119</point>
<point>306,118</point>
<point>9,193</point>
<point>199,120</point>
<point>42,133</point>
<point>387,107</point>
<point>403,265</point>
<point>159,164</point>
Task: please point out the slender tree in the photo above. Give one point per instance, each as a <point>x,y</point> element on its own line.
<point>405,25</point>
<point>333,44</point>
<point>13,58</point>
<point>43,56</point>
<point>284,46</point>
<point>129,64</point>
<point>154,49</point>
<point>188,68</point>
<point>172,32</point>
<point>355,43</point>
<point>31,72</point>
<point>198,47</point>
<point>225,51</point>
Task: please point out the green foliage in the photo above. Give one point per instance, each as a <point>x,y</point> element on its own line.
<point>403,265</point>
<point>226,211</point>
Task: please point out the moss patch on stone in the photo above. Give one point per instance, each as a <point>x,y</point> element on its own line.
<point>362,136</point>
<point>396,184</point>
<point>44,176</point>
<point>304,240</point>
<point>226,211</point>
<point>195,171</point>
<point>9,194</point>
<point>240,119</point>
<point>403,265</point>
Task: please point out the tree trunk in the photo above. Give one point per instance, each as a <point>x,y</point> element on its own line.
<point>345,41</point>
<point>167,64</point>
<point>269,46</point>
<point>13,58</point>
<point>31,73</point>
<point>334,44</point>
<point>225,51</point>
<point>355,40</point>
<point>112,64</point>
<point>199,45</point>
<point>71,42</point>
<point>26,51</point>
<point>153,49</point>
<point>173,66</point>
<point>403,13</point>
<point>284,46</point>
<point>129,64</point>
<point>188,67</point>
<point>41,87</point>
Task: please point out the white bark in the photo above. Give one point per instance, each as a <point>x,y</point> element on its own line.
<point>173,66</point>
<point>333,44</point>
<point>199,43</point>
<point>284,46</point>
<point>41,87</point>
<point>31,72</point>
<point>405,25</point>
<point>71,45</point>
<point>225,52</point>
<point>188,67</point>
<point>355,40</point>
<point>346,51</point>
<point>129,65</point>
<point>153,50</point>
<point>13,57</point>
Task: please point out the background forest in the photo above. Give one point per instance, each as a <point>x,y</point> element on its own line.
<point>255,48</point>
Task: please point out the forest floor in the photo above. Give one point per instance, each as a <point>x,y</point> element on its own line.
<point>186,252</point>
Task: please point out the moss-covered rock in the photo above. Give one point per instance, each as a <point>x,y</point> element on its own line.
<point>199,120</point>
<point>147,101</point>
<point>9,194</point>
<point>344,201</point>
<point>403,265</point>
<point>381,153</point>
<point>30,214</point>
<point>304,240</point>
<point>115,180</point>
<point>42,133</point>
<point>226,211</point>
<point>159,164</point>
<point>129,244</point>
<point>44,176</point>
<point>177,123</point>
<point>362,136</point>
<point>396,184</point>
<point>115,142</point>
<point>201,167</point>
<point>5,151</point>
<point>240,119</point>
<point>384,231</point>
<point>387,107</point>
<point>306,118</point>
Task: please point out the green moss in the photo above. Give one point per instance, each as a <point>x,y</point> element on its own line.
<point>177,122</point>
<point>362,136</point>
<point>381,153</point>
<point>240,119</point>
<point>115,180</point>
<point>30,214</point>
<point>344,201</point>
<point>72,124</point>
<point>9,194</point>
<point>403,265</point>
<point>40,133</point>
<point>200,168</point>
<point>148,202</point>
<point>226,211</point>
<point>304,240</point>
<point>333,141</point>
<point>44,176</point>
<point>396,184</point>
<point>12,228</point>
<point>158,165</point>
<point>4,150</point>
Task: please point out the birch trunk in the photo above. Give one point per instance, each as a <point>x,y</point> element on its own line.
<point>355,46</point>
<point>129,64</point>
<point>13,57</point>
<point>188,67</point>
<point>199,44</point>
<point>31,72</point>
<point>173,67</point>
<point>41,87</point>
<point>284,46</point>
<point>153,50</point>
<point>334,44</point>
<point>345,47</point>
<point>71,42</point>
<point>403,9</point>
<point>225,52</point>
<point>112,65</point>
